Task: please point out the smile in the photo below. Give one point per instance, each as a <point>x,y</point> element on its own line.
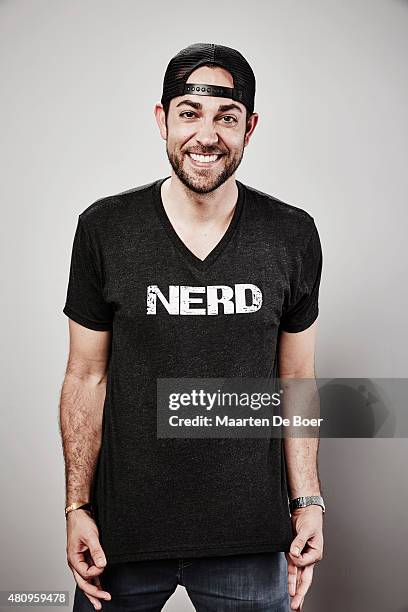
<point>204,159</point>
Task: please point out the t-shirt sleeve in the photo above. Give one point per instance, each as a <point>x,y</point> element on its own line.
<point>85,303</point>
<point>302,307</point>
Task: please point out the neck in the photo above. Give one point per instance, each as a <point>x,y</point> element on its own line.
<point>193,207</point>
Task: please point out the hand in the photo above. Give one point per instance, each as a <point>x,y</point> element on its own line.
<point>308,526</point>
<point>85,556</point>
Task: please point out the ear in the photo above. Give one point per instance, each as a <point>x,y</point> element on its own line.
<point>161,120</point>
<point>251,125</point>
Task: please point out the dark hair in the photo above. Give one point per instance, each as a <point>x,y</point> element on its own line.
<point>166,106</point>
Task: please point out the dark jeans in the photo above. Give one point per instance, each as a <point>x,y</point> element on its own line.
<point>256,581</point>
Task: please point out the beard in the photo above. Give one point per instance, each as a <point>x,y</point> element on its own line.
<point>203,180</point>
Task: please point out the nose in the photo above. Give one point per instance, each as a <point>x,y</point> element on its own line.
<point>207,135</point>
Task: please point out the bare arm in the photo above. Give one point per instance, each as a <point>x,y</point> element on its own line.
<point>81,407</point>
<point>80,420</point>
<point>296,360</point>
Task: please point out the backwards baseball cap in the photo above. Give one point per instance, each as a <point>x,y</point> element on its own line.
<point>205,54</point>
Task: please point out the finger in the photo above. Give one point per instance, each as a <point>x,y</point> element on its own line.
<point>95,602</point>
<point>294,606</point>
<point>92,571</point>
<point>91,589</point>
<point>298,545</point>
<point>292,577</point>
<point>310,557</point>
<point>303,587</point>
<point>97,581</point>
<point>312,553</point>
<point>76,559</point>
<point>96,552</point>
<point>299,608</point>
<point>298,578</point>
<point>314,550</point>
<point>83,568</point>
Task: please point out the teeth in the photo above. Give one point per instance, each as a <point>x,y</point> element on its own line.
<point>203,158</point>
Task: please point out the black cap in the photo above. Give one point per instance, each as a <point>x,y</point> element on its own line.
<point>206,54</point>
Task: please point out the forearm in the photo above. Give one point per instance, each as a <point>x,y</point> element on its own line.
<point>301,466</point>
<point>80,419</point>
<point>302,399</point>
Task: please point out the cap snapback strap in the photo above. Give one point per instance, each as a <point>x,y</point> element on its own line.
<point>212,90</point>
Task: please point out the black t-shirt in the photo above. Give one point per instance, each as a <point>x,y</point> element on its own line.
<point>168,498</point>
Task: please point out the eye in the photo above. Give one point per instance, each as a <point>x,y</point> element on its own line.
<point>227,119</point>
<point>185,113</point>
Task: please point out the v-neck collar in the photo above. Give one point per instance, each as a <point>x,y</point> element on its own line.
<point>201,264</point>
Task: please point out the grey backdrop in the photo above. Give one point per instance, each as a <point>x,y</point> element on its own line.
<point>79,82</point>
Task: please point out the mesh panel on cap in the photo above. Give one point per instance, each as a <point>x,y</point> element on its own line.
<point>189,59</point>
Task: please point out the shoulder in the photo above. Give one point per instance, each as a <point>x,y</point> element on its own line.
<point>271,207</point>
<point>271,219</point>
<point>110,209</point>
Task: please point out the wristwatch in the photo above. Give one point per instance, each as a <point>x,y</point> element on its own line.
<point>79,505</point>
<point>302,502</point>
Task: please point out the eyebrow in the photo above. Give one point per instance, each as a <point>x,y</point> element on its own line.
<point>198,106</point>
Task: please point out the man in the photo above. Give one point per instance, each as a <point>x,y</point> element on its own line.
<point>210,514</point>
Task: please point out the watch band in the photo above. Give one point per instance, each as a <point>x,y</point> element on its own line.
<point>79,505</point>
<point>308,500</point>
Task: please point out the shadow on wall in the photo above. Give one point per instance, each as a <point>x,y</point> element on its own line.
<point>359,408</point>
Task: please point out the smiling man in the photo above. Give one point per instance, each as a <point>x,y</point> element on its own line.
<point>205,163</point>
<point>193,275</point>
